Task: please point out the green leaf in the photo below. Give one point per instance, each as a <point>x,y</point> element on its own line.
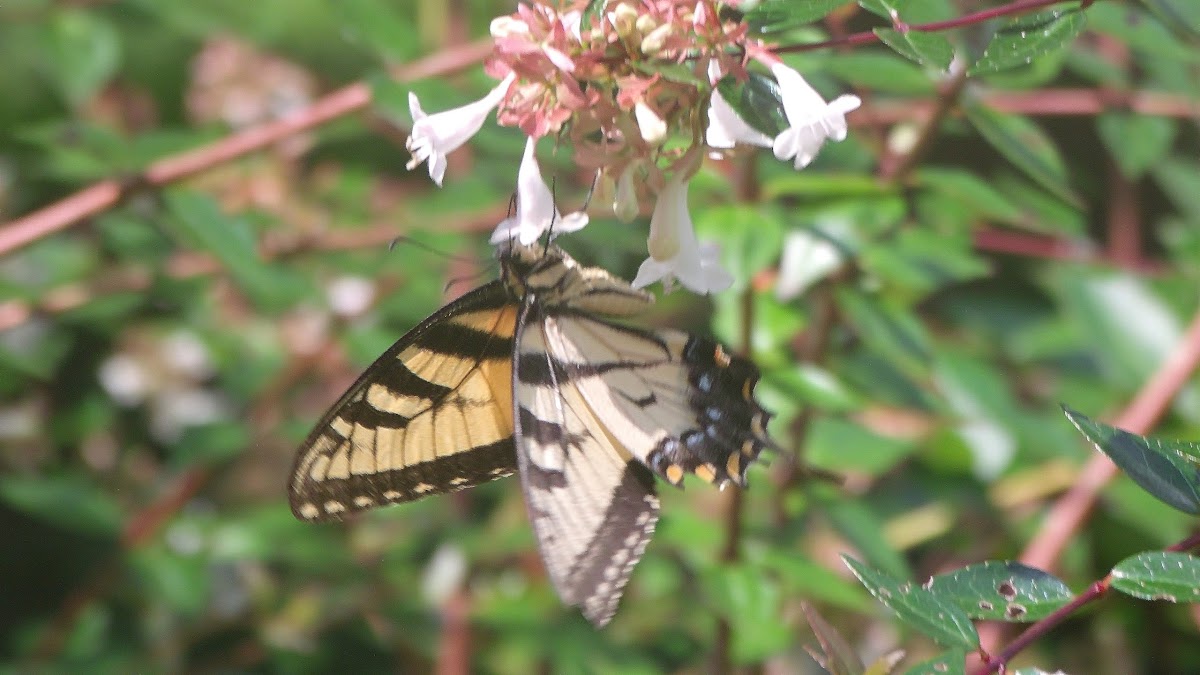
<point>927,49</point>
<point>953,662</point>
<point>1169,470</point>
<point>894,334</point>
<point>68,501</point>
<point>211,444</point>
<point>83,52</point>
<point>1002,591</point>
<point>380,26</point>
<point>972,191</point>
<point>1139,31</point>
<point>772,16</point>
<point>1023,39</point>
<point>1182,16</point>
<point>917,607</point>
<point>855,521</point>
<point>1179,178</point>
<point>751,602</point>
<point>757,101</point>
<point>881,72</point>
<point>1159,575</point>
<point>230,240</point>
<point>1136,142</point>
<point>841,446</point>
<point>815,386</point>
<point>1026,146</point>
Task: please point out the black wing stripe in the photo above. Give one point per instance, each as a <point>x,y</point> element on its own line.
<point>456,339</point>
<point>448,474</point>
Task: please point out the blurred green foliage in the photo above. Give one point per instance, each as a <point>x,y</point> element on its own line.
<point>160,362</point>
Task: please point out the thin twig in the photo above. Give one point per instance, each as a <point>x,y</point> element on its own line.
<point>1095,590</point>
<point>870,37</point>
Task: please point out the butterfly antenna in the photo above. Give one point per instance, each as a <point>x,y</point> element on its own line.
<point>587,201</point>
<point>404,239</point>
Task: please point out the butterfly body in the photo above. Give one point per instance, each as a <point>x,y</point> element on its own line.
<point>530,374</point>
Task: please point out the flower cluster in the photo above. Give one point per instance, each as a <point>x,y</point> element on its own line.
<point>632,86</point>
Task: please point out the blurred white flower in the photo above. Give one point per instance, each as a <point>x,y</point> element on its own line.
<point>350,296</point>
<point>187,355</point>
<point>675,252</point>
<point>437,135</point>
<point>125,380</point>
<point>812,120</point>
<point>446,572</point>
<point>807,258</point>
<point>536,212</point>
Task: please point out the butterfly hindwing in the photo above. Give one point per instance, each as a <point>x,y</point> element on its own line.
<point>593,508</point>
<point>432,415</point>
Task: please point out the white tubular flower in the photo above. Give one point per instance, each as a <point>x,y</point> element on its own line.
<point>674,251</point>
<point>812,120</point>
<point>536,212</point>
<point>437,135</point>
<point>726,128</point>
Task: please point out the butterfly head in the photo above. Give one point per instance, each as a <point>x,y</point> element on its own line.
<point>533,268</point>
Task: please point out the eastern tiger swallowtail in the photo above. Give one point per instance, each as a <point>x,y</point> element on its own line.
<point>529,374</point>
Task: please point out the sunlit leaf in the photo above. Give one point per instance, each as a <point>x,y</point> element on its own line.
<point>917,607</point>
<point>1159,575</point>
<point>1002,591</point>
<point>1169,470</point>
<point>1026,38</point>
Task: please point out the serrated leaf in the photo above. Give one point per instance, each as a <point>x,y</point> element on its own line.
<point>1021,40</point>
<point>1159,575</point>
<point>1025,145</point>
<point>1169,470</point>
<point>927,49</point>
<point>953,662</point>
<point>771,16</point>
<point>1002,591</point>
<point>1136,142</point>
<point>917,607</point>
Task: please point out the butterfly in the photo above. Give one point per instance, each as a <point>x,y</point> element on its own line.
<point>533,373</point>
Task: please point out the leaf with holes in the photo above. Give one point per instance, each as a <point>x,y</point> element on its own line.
<point>917,607</point>
<point>1159,575</point>
<point>1002,590</point>
<point>1021,40</point>
<point>1169,470</point>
